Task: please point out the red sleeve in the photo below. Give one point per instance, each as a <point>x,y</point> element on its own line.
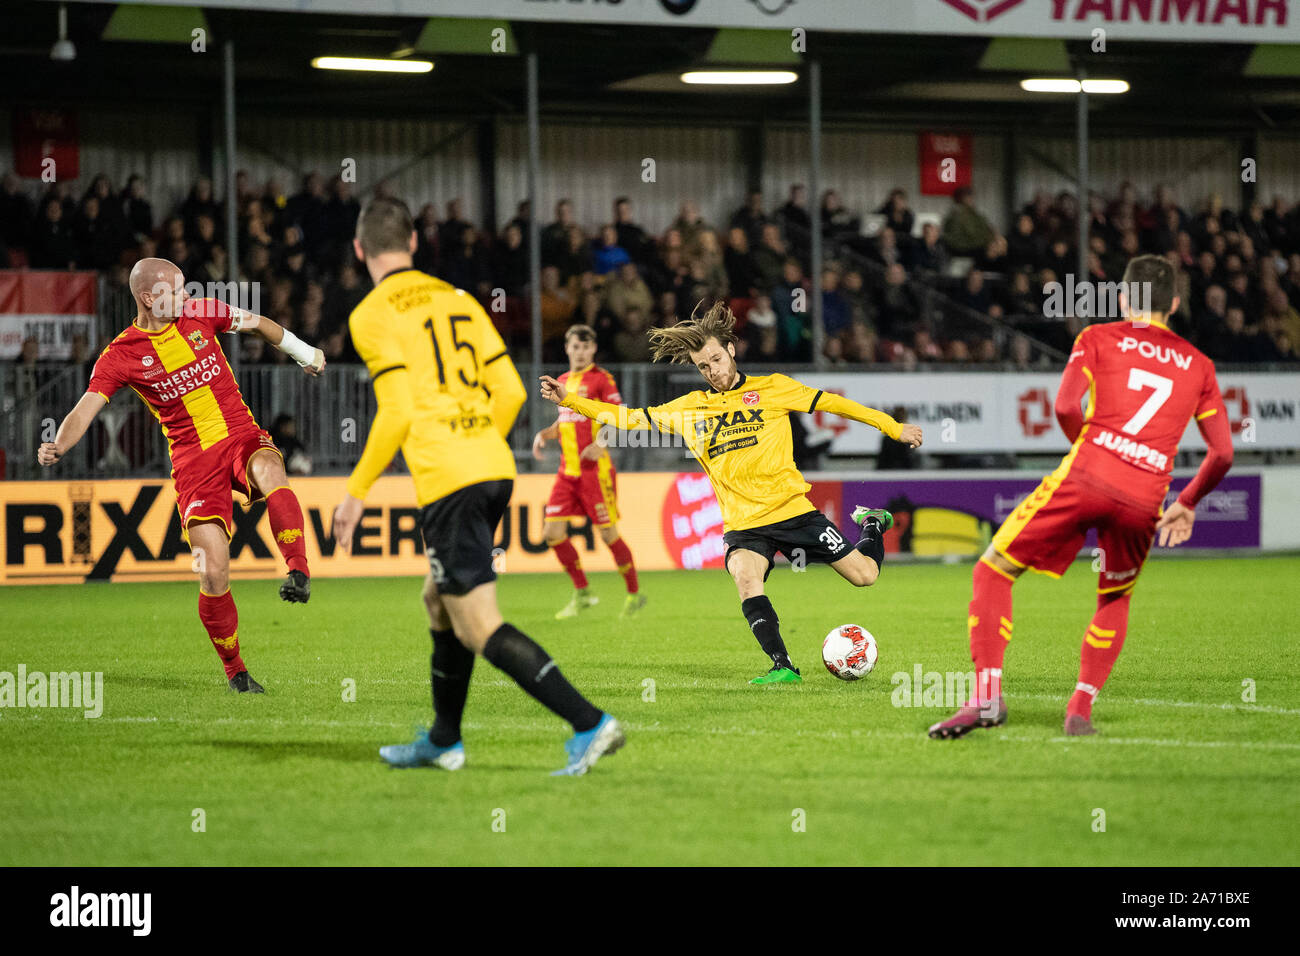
<point>1075,383</point>
<point>1211,401</point>
<point>610,390</point>
<point>211,312</point>
<point>1212,420</point>
<point>108,375</point>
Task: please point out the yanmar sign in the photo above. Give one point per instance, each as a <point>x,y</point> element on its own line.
<point>983,9</point>
<point>1239,21</point>
<point>1241,12</point>
<point>1250,21</point>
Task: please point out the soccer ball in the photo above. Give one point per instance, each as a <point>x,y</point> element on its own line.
<point>849,652</point>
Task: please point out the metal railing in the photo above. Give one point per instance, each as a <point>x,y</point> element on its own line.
<point>332,414</point>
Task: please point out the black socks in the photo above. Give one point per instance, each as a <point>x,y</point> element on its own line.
<point>449,671</point>
<point>872,542</point>
<point>514,652</point>
<point>763,622</point>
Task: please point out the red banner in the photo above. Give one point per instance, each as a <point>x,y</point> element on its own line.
<point>946,162</point>
<point>45,133</point>
<point>53,307</point>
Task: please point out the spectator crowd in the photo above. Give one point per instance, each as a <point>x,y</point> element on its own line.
<point>954,290</point>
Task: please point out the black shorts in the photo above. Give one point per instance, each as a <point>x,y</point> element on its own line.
<point>458,535</point>
<point>813,537</point>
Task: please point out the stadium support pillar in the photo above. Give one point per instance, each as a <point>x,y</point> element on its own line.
<point>751,151</point>
<point>815,205</point>
<point>534,241</point>
<point>486,144</point>
<point>1085,216</point>
<point>1010,165</point>
<point>232,201</point>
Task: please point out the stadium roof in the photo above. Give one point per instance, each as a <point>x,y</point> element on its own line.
<point>143,53</point>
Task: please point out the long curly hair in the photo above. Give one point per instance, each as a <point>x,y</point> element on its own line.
<point>676,342</point>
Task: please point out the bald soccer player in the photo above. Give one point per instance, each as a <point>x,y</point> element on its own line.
<point>171,358</point>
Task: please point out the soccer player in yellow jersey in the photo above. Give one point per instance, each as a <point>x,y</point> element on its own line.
<point>448,395</point>
<point>739,430</point>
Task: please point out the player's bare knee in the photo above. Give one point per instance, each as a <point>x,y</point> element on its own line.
<point>474,633</point>
<point>214,576</point>
<point>214,584</point>
<point>748,585</point>
<point>554,533</point>
<point>267,471</point>
<point>439,619</point>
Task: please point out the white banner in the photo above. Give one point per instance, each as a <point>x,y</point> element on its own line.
<point>981,412</point>
<point>53,334</point>
<point>1234,21</point>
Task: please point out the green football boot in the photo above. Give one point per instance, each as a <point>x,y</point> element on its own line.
<point>779,675</point>
<point>861,514</point>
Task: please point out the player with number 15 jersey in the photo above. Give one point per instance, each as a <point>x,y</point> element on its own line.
<point>447,395</point>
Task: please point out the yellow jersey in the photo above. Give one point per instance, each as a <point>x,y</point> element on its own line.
<point>447,391</point>
<point>742,438</point>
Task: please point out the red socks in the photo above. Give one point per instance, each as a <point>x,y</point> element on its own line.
<point>286,523</point>
<point>220,617</point>
<point>990,629</point>
<point>1101,645</point>
<point>623,558</point>
<point>568,556</point>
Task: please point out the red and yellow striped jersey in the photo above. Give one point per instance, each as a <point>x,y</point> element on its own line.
<point>182,375</point>
<point>1143,382</point>
<point>577,430</point>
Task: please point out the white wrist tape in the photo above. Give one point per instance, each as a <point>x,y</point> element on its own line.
<point>237,319</point>
<point>296,349</point>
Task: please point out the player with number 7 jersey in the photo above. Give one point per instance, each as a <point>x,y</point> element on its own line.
<point>1143,383</point>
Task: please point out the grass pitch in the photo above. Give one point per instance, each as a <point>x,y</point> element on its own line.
<point>715,771</point>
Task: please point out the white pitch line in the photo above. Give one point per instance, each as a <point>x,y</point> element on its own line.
<point>1153,742</point>
<point>556,727</point>
<point>724,685</point>
<point>1151,702</point>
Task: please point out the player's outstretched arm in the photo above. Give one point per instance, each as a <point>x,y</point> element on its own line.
<point>309,357</point>
<point>71,429</point>
<point>619,416</point>
<point>909,435</point>
<point>553,390</point>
